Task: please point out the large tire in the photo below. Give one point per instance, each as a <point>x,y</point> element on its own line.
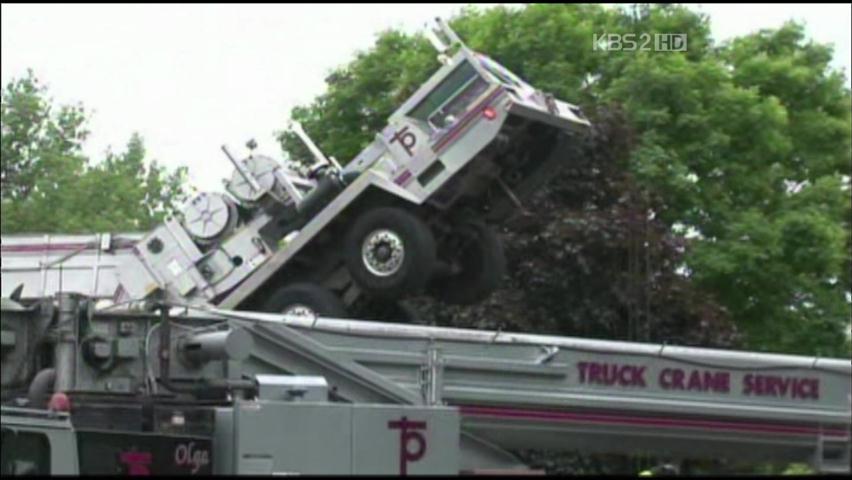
<point>305,299</point>
<point>390,253</point>
<point>483,265</point>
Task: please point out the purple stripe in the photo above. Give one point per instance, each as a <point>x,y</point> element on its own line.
<point>54,247</point>
<point>444,141</point>
<point>614,419</point>
<point>402,178</point>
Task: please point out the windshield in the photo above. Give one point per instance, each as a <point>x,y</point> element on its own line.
<point>451,98</point>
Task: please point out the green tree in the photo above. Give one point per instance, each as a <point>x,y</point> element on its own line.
<point>749,145</point>
<point>49,185</point>
<point>37,139</point>
<point>741,152</point>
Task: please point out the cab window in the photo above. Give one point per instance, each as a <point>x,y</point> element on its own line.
<point>24,453</point>
<point>450,99</point>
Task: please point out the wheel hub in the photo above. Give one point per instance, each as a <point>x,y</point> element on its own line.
<point>383,252</point>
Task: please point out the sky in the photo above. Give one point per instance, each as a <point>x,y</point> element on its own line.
<point>190,78</point>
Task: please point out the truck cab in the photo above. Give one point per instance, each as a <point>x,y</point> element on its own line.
<point>47,442</point>
<point>474,123</point>
<point>36,442</point>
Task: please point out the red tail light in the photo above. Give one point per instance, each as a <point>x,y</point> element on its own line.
<point>489,113</point>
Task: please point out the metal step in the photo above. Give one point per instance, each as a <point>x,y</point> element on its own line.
<point>833,455</point>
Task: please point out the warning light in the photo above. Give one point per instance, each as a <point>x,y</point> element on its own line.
<point>59,402</point>
<point>489,113</point>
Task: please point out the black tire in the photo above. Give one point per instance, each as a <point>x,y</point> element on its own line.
<point>417,262</point>
<point>320,300</point>
<point>483,265</point>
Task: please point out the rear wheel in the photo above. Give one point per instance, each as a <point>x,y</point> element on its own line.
<point>390,253</point>
<point>481,264</point>
<point>305,299</point>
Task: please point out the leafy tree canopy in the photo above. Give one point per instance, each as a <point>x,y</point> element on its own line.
<point>48,183</point>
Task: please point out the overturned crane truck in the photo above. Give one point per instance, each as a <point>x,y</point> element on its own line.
<point>409,214</point>
<point>200,391</point>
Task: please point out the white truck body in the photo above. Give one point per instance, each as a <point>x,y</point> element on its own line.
<point>470,130</point>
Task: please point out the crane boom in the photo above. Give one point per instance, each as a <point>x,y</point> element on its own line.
<point>494,392</point>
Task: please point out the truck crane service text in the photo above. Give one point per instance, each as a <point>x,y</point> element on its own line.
<point>698,380</point>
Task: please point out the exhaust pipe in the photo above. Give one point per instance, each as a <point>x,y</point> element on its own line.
<point>41,387</point>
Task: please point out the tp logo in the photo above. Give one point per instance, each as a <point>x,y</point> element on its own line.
<point>409,437</point>
<point>405,138</point>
